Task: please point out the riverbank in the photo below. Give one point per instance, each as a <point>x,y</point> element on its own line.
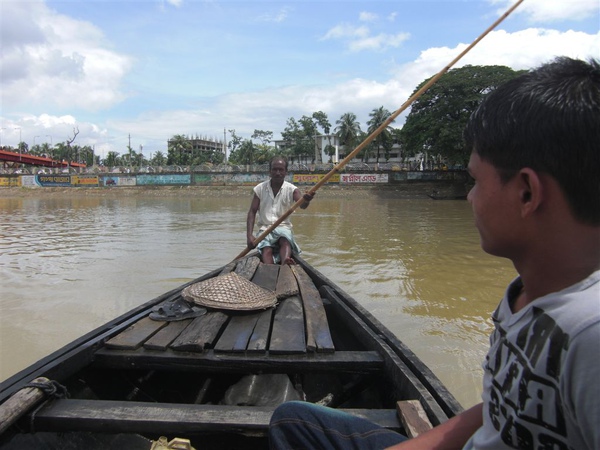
<point>404,190</point>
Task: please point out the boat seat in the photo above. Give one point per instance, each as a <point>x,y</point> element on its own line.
<point>352,361</point>
<point>413,417</point>
<point>169,419</point>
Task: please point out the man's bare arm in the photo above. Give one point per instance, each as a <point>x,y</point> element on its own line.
<point>307,198</point>
<point>254,206</point>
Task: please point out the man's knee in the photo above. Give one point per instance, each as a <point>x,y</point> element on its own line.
<point>289,410</point>
<point>283,242</point>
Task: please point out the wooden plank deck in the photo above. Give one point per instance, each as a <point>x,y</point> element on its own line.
<point>298,324</point>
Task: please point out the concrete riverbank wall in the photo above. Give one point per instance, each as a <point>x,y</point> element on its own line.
<point>436,184</point>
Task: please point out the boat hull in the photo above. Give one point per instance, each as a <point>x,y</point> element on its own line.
<point>217,378</point>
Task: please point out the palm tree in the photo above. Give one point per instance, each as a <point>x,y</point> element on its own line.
<point>348,130</point>
<point>159,159</point>
<point>112,159</point>
<point>377,117</point>
<point>179,150</point>
<point>46,150</point>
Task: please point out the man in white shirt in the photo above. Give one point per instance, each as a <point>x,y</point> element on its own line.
<point>272,198</point>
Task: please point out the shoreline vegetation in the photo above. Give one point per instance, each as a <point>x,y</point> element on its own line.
<point>411,190</point>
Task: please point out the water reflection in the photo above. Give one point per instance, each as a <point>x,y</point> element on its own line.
<point>67,265</point>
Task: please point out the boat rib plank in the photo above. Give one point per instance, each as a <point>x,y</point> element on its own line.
<point>166,335</point>
<point>288,328</point>
<point>318,335</point>
<point>286,283</point>
<point>266,276</point>
<point>260,336</point>
<point>246,267</point>
<point>236,335</point>
<point>201,333</point>
<point>136,334</point>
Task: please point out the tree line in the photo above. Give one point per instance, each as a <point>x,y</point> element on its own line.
<point>434,125</point>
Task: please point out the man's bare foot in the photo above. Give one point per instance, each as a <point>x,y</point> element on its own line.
<point>289,261</point>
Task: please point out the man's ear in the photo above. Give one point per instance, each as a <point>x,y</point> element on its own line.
<point>531,190</point>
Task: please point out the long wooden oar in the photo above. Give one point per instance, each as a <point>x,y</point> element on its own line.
<point>382,127</point>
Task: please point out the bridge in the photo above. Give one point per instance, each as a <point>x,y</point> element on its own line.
<point>9,159</point>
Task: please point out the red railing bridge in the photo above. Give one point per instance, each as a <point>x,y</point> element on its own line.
<point>9,159</point>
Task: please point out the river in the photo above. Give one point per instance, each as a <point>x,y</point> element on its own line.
<point>70,263</point>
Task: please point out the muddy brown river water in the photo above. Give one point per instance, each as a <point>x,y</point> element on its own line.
<point>69,263</point>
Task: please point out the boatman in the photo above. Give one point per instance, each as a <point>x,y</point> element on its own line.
<point>272,198</point>
<point>535,159</point>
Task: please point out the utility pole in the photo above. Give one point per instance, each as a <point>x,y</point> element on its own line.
<point>19,128</point>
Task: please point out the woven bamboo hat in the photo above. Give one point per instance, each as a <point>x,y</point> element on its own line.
<point>231,292</point>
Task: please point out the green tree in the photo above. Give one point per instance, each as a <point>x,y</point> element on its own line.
<point>322,121</point>
<point>348,131</point>
<point>265,137</point>
<point>159,159</point>
<point>234,143</point>
<point>309,140</point>
<point>384,140</point>
<point>179,150</point>
<point>246,152</point>
<point>112,159</point>
<point>300,136</point>
<point>61,152</point>
<point>35,150</point>
<point>329,151</point>
<point>436,120</point>
<point>299,143</point>
<point>46,150</point>
<point>263,151</point>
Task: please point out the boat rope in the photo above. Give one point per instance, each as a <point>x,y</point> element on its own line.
<point>52,389</point>
<point>337,168</point>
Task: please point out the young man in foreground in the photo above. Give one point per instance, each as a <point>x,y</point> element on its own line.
<point>272,198</point>
<point>536,163</point>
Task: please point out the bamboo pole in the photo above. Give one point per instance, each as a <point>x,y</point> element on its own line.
<point>21,401</point>
<point>382,127</point>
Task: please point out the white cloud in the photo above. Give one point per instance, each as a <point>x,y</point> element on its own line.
<point>358,38</point>
<point>380,42</point>
<point>520,50</point>
<point>552,10</point>
<point>346,31</point>
<point>51,129</point>
<point>276,17</point>
<point>58,61</point>
<point>367,16</point>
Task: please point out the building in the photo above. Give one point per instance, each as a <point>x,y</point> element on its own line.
<point>199,145</point>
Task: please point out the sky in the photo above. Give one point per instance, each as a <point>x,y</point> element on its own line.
<point>137,72</point>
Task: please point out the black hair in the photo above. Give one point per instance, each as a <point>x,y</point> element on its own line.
<point>548,120</point>
<point>278,158</point>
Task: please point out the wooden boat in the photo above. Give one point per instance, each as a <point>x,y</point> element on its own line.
<point>435,195</point>
<point>213,381</point>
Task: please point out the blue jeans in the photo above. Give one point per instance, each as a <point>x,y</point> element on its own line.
<point>301,425</point>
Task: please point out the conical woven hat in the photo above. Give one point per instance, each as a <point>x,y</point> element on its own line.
<point>229,291</point>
